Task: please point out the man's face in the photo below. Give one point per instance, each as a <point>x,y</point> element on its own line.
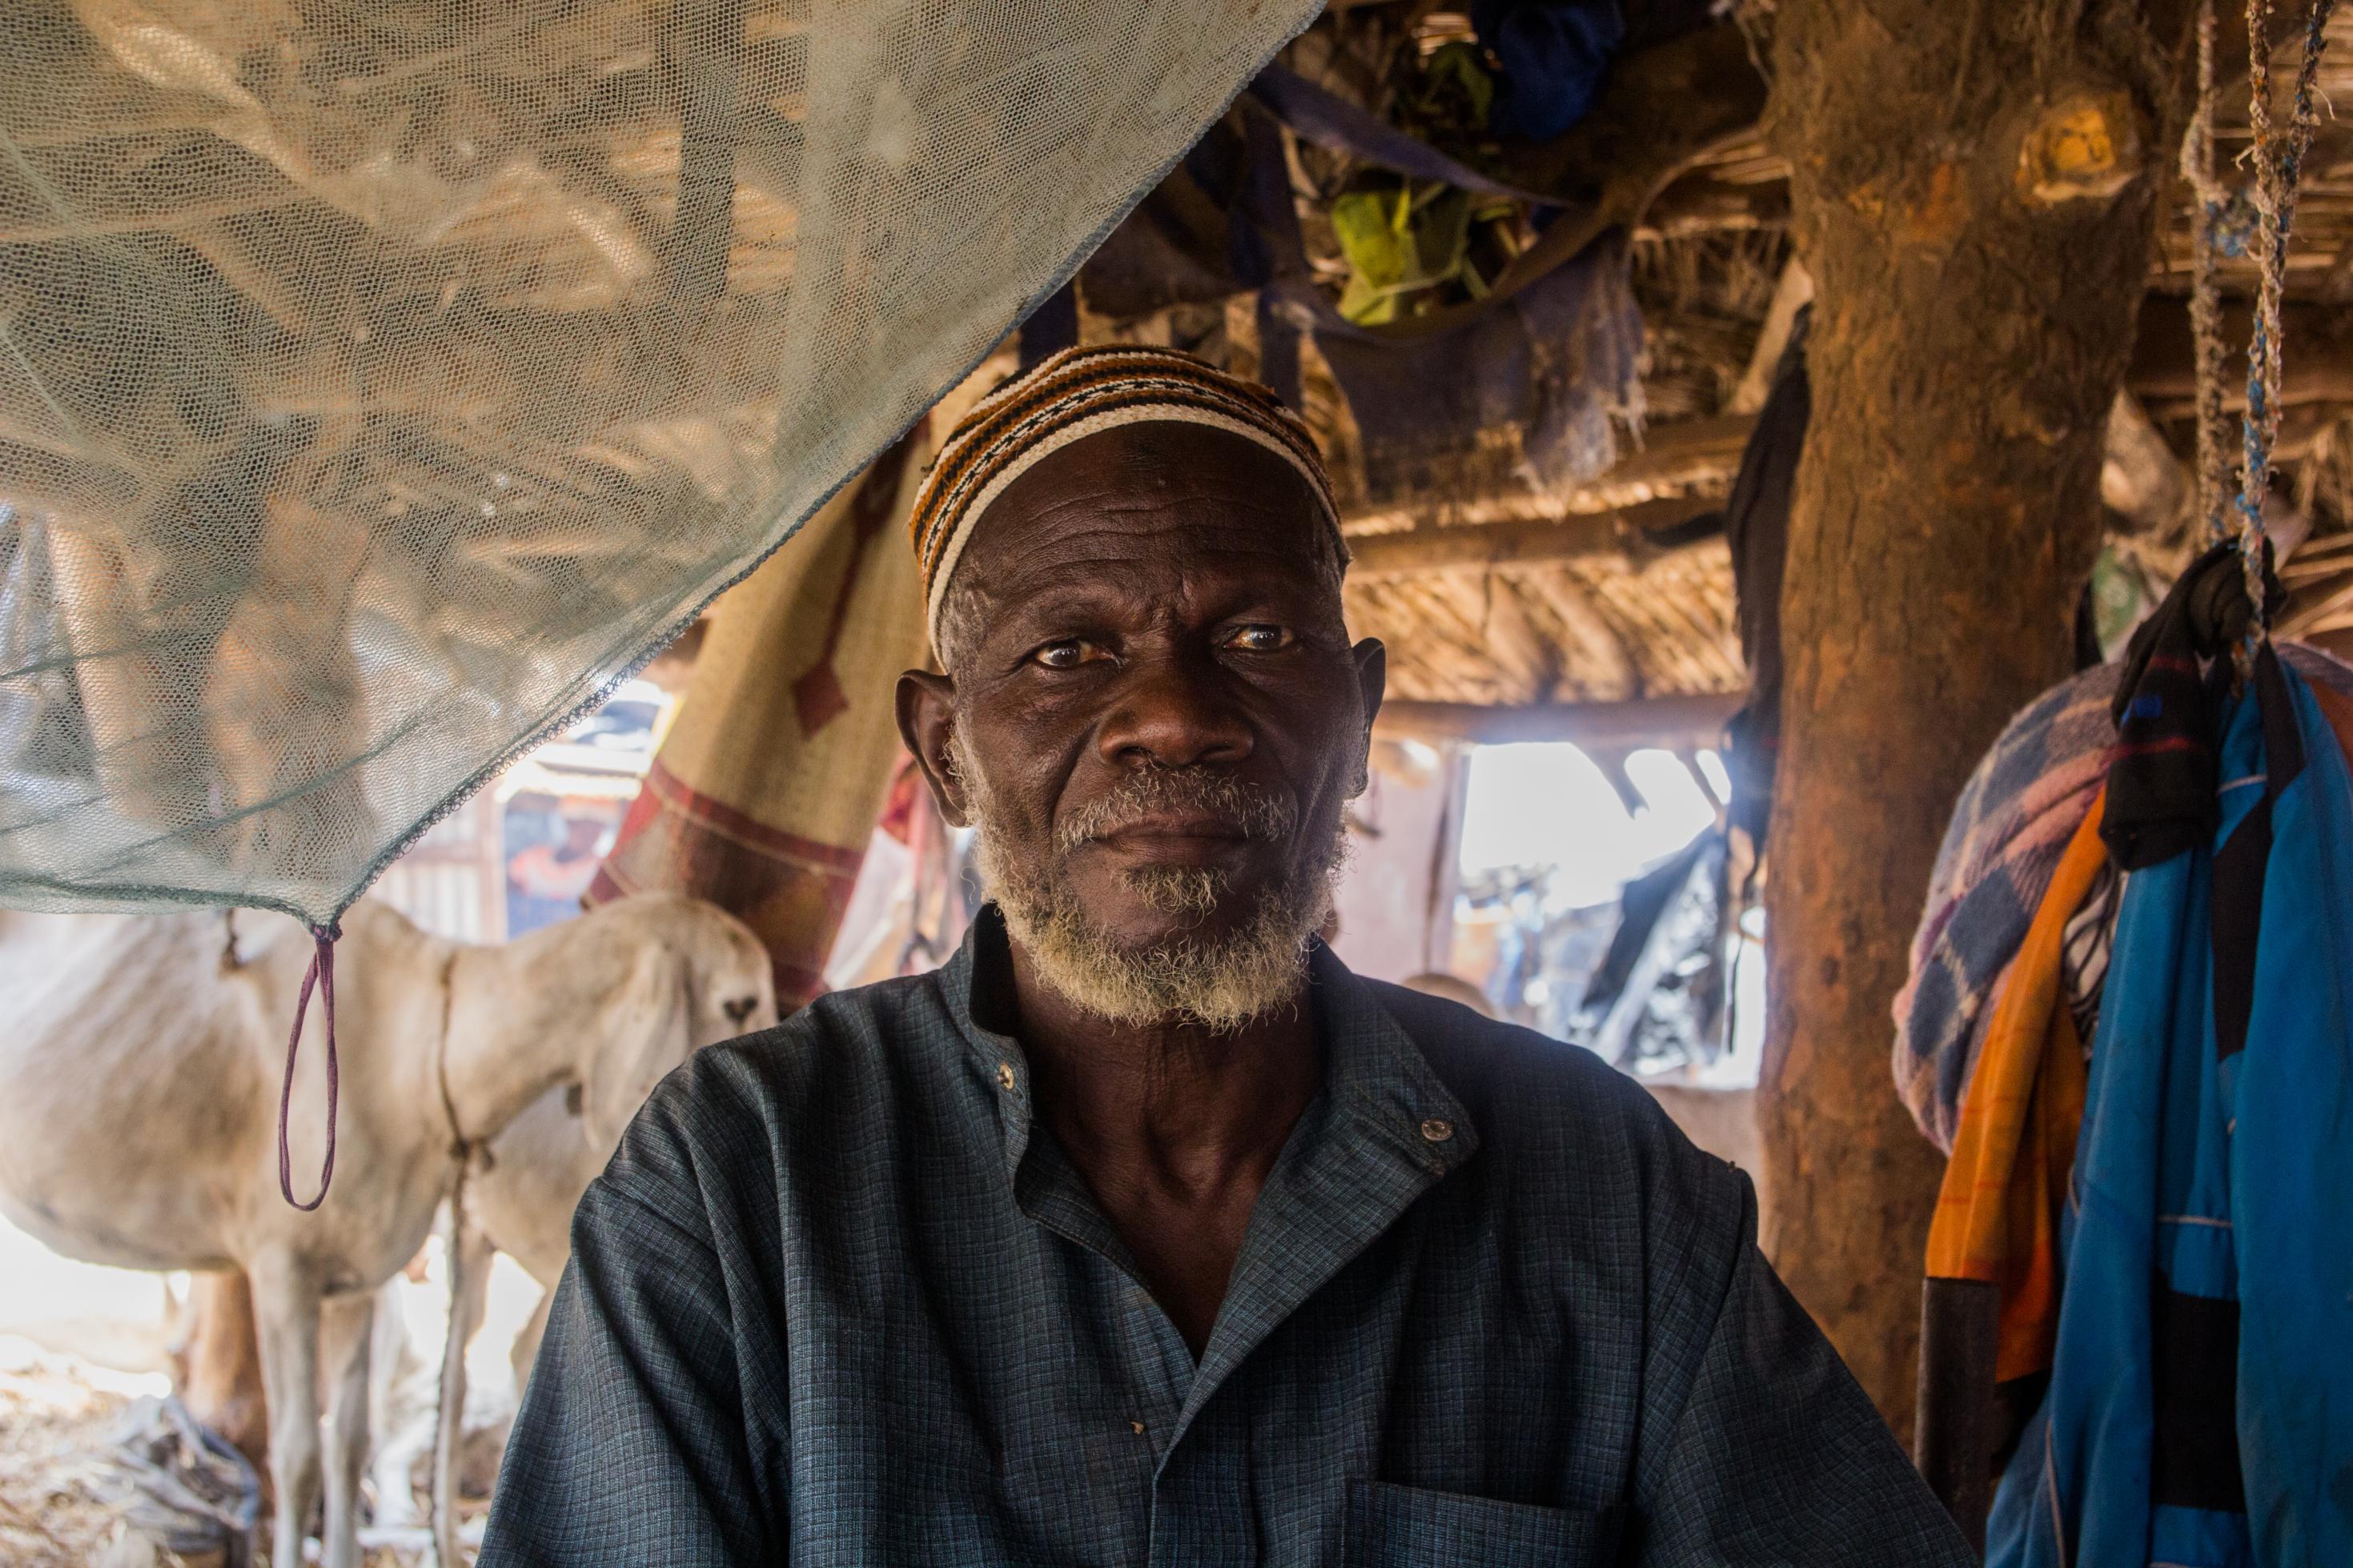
<point>1155,705</point>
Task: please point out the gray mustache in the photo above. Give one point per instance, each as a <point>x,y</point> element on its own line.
<point>1257,812</point>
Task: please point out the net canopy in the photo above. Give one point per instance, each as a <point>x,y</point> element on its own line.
<point>381,381</point>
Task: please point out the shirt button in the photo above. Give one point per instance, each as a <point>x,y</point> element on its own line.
<point>1437,1130</point>
<point>1139,1427</point>
<point>1004,1076</point>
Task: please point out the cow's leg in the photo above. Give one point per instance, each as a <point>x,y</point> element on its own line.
<point>398,1431</point>
<point>469,1295</point>
<point>222,1387</point>
<point>348,1326</point>
<point>286,1321</point>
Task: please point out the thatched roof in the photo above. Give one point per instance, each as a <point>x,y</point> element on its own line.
<point>1505,609</point>
<point>1569,600</point>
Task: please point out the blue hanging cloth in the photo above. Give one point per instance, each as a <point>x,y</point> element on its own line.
<point>2201,1407</point>
<point>1554,55</point>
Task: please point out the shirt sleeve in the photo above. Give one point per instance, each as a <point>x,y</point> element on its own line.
<point>630,1444</point>
<point>1779,1456</point>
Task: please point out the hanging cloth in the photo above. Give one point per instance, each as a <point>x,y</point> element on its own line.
<point>2161,794</point>
<point>2020,810</point>
<point>1317,114</point>
<point>763,794</point>
<point>1519,394</point>
<point>2284,1008</point>
<point>1757,527</point>
<point>2015,816</point>
<point>2196,1406</point>
<point>1990,1311</point>
<point>1556,56</point>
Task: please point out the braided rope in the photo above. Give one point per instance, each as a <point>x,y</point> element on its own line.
<point>2214,203</point>
<point>2278,159</point>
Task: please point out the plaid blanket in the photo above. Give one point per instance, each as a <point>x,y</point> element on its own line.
<point>763,794</point>
<point>2011,824</point>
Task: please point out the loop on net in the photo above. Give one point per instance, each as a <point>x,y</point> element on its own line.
<point>320,974</point>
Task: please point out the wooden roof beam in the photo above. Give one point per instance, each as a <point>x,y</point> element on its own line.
<point>1481,547</point>
<point>1672,723</point>
<point>2320,359</point>
<point>1685,453</point>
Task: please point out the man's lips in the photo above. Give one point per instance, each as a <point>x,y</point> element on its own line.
<point>1174,825</point>
<point>1175,838</point>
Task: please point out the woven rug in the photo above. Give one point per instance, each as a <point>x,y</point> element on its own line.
<point>765,791</point>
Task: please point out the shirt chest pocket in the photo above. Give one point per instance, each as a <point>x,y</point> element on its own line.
<point>1406,1527</point>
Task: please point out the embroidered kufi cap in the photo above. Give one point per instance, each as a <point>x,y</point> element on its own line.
<point>1076,394</point>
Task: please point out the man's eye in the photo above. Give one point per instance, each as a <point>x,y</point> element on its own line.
<point>1260,639</point>
<point>1068,653</point>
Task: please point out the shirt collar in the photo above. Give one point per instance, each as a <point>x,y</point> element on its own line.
<point>1377,1082</point>
<point>1383,1130</point>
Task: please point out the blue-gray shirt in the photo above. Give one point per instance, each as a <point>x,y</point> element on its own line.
<point>840,1299</point>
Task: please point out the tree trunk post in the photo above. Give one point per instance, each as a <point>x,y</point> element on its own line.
<point>1974,194</point>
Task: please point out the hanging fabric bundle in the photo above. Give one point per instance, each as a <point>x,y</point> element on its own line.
<point>2142,1264</point>
<point>2196,1414</point>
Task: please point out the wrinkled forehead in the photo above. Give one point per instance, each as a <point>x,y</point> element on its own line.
<point>1150,509</point>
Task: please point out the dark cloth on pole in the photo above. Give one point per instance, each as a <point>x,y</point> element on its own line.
<point>1757,527</point>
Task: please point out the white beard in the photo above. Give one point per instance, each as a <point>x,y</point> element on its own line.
<point>1221,983</point>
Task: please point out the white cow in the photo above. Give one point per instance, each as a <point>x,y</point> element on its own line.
<point>139,1060</point>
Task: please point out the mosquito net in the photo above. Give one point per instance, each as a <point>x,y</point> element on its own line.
<point>380,382</point>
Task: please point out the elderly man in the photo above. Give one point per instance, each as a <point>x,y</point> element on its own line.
<point>1144,1232</point>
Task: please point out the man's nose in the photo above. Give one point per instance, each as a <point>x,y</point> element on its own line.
<point>1171,712</point>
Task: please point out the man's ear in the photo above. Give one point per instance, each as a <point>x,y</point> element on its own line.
<point>1372,677</point>
<point>1372,682</point>
<point>926,708</point>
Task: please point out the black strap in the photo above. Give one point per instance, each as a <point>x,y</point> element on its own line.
<point>2240,864</point>
<point>2194,1359</point>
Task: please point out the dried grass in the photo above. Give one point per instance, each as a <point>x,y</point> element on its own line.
<point>1602,629</point>
<point>53,1435</point>
<point>1704,298</point>
<point>57,1425</point>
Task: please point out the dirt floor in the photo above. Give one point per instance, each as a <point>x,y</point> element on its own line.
<point>60,1498</point>
<point>79,1343</point>
<point>54,1422</point>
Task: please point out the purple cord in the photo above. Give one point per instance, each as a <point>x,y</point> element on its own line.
<point>322,975</point>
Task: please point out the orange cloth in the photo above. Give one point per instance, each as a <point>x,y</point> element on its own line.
<point>1998,1213</point>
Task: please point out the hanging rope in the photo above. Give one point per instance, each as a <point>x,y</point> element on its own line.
<point>2214,205</point>
<point>321,975</point>
<point>2278,158</point>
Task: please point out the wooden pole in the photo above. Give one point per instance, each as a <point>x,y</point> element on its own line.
<point>1974,189</point>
